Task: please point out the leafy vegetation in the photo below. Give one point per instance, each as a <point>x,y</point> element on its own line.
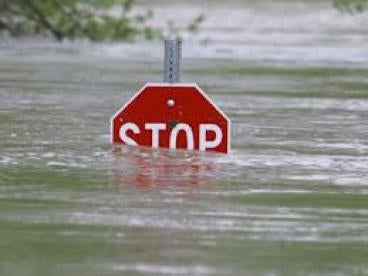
<point>350,6</point>
<point>93,19</point>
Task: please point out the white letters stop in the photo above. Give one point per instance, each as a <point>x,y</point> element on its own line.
<point>156,128</point>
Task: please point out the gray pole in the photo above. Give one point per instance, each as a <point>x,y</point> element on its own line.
<point>172,60</point>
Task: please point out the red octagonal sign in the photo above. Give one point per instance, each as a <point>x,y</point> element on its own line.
<point>175,116</point>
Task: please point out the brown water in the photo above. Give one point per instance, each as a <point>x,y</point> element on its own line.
<point>290,199</point>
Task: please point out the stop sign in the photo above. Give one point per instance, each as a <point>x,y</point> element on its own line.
<point>175,116</point>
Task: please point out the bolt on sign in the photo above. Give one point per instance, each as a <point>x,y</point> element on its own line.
<point>171,114</point>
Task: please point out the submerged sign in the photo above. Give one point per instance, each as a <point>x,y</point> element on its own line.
<point>175,116</point>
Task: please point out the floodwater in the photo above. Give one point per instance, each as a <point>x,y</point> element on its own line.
<point>290,199</point>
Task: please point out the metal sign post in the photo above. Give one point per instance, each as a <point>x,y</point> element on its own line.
<point>172,61</point>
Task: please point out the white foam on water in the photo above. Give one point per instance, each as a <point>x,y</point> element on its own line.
<point>297,32</point>
<point>65,164</point>
<point>6,160</point>
<point>161,269</point>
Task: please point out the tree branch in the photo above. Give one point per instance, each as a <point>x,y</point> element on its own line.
<point>43,20</point>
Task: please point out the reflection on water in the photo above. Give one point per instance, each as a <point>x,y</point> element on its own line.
<point>147,168</point>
